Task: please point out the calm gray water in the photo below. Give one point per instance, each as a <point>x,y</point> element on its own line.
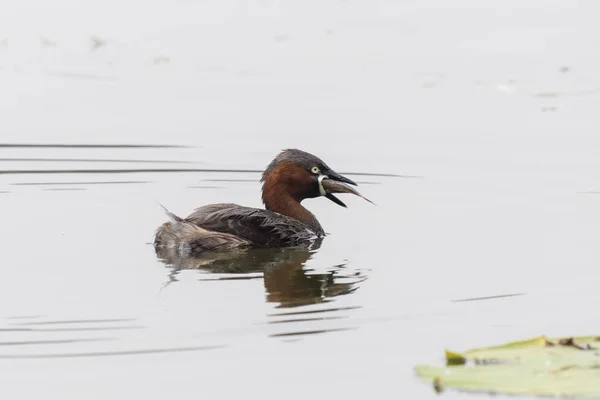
<point>474,128</point>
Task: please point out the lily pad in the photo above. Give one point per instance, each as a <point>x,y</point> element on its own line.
<point>539,366</point>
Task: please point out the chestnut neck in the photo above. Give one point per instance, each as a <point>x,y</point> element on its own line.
<point>277,197</point>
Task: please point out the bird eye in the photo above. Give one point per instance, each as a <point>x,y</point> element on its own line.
<point>315,170</point>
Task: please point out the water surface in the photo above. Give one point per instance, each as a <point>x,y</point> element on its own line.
<point>473,128</point>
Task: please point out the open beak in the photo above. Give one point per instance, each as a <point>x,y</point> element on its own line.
<point>336,183</point>
<point>337,177</point>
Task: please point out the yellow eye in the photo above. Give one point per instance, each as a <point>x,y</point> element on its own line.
<point>314,170</point>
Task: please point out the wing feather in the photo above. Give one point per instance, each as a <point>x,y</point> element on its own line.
<point>261,227</point>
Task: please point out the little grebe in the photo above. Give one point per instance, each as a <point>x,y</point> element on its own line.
<point>293,176</point>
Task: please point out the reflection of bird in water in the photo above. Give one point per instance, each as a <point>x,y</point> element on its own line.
<point>285,278</point>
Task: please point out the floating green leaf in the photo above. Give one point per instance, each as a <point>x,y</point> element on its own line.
<point>540,366</point>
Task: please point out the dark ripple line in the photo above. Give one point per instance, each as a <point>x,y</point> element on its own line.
<point>285,321</point>
<point>76,183</point>
<point>500,296</point>
<point>64,189</point>
<point>229,180</point>
<point>92,146</point>
<point>108,353</point>
<point>315,311</point>
<point>310,332</point>
<point>99,160</point>
<point>58,341</point>
<point>87,329</point>
<point>171,170</point>
<point>75,321</point>
<point>232,278</point>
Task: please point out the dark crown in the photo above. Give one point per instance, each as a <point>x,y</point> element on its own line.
<point>295,156</point>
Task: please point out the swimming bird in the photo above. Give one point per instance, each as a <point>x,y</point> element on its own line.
<point>293,176</point>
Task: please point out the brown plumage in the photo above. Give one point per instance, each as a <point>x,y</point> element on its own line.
<point>291,177</point>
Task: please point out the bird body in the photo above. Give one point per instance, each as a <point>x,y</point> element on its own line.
<point>291,177</point>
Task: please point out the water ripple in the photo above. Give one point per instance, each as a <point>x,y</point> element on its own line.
<point>79,183</point>
<point>314,332</point>
<point>316,311</point>
<point>57,341</point>
<point>75,321</point>
<point>500,296</point>
<point>96,160</point>
<point>90,146</point>
<point>110,353</point>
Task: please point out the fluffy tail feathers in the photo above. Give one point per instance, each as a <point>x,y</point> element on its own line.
<point>189,239</point>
